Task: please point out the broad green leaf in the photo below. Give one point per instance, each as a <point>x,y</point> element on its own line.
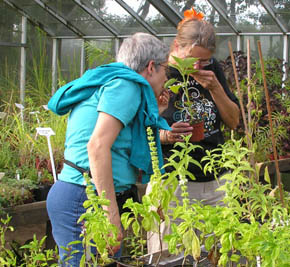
<point>175,88</point>
<point>235,257</point>
<point>267,176</point>
<point>209,242</point>
<point>170,82</point>
<point>136,228</point>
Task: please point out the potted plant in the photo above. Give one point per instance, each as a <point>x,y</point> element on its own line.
<point>186,68</point>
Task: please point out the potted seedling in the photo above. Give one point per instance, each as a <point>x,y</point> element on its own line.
<point>186,68</point>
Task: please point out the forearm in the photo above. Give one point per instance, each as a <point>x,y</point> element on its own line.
<point>229,111</point>
<point>101,168</point>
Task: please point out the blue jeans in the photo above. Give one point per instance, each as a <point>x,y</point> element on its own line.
<point>64,206</point>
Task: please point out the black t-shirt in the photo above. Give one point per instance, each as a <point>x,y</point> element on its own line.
<point>206,109</point>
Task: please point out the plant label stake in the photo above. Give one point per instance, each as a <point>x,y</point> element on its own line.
<point>48,132</point>
<point>35,113</point>
<point>45,107</point>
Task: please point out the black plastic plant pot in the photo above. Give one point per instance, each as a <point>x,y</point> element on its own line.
<point>41,192</point>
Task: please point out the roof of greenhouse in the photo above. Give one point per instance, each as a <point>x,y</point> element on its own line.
<point>104,19</point>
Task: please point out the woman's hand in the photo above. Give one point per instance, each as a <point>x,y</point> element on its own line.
<point>115,219</point>
<point>229,111</point>
<point>178,130</point>
<point>207,79</point>
<point>163,101</point>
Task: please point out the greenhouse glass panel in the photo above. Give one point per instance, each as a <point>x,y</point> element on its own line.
<point>39,14</point>
<point>251,16</point>
<point>282,9</point>
<point>210,14</point>
<point>116,15</point>
<point>222,46</point>
<point>151,16</point>
<point>70,59</point>
<point>272,46</point>
<point>10,24</point>
<point>79,18</point>
<point>9,74</point>
<point>99,52</point>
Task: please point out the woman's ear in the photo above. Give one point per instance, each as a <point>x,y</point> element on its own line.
<point>150,67</point>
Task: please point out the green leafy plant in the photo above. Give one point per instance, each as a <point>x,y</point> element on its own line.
<point>253,221</point>
<point>186,68</point>
<point>98,232</point>
<point>31,254</point>
<point>154,209</point>
<point>255,104</point>
<point>15,192</point>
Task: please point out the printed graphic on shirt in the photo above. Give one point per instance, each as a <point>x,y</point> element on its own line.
<point>202,108</point>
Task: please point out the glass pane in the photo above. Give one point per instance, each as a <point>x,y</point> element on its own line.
<point>70,58</point>
<point>222,47</point>
<point>152,16</point>
<point>10,24</point>
<point>210,14</point>
<point>251,17</point>
<point>40,15</point>
<point>246,16</point>
<point>79,18</point>
<point>112,13</point>
<point>283,12</point>
<point>99,52</point>
<point>272,46</point>
<point>9,74</point>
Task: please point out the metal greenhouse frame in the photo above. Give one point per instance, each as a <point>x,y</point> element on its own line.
<point>29,9</point>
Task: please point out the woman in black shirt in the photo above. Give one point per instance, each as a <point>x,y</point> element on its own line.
<point>212,100</point>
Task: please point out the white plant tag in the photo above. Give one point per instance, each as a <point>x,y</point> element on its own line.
<point>45,131</point>
<point>20,106</point>
<point>45,107</point>
<point>48,132</point>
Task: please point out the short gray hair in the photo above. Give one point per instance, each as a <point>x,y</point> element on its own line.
<point>137,50</point>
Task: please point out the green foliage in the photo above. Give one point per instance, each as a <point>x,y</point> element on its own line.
<point>148,215</point>
<point>29,255</point>
<point>98,232</point>
<point>36,256</point>
<point>256,108</point>
<point>96,56</point>
<point>186,68</point>
<point>15,192</point>
<point>253,221</point>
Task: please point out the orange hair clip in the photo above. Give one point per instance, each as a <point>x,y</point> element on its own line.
<point>192,14</point>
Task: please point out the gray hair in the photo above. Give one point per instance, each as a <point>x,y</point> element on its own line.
<point>137,50</point>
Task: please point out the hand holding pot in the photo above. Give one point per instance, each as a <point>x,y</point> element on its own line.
<point>178,129</point>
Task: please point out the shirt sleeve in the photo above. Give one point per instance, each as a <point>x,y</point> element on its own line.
<point>121,99</point>
<point>222,79</point>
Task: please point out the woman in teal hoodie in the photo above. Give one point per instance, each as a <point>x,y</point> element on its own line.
<point>110,107</point>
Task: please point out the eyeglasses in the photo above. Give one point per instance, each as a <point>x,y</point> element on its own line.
<point>205,62</point>
<point>166,68</point>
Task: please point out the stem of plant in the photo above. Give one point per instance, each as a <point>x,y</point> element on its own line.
<point>240,95</point>
<point>252,160</point>
<point>160,241</point>
<point>271,124</point>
